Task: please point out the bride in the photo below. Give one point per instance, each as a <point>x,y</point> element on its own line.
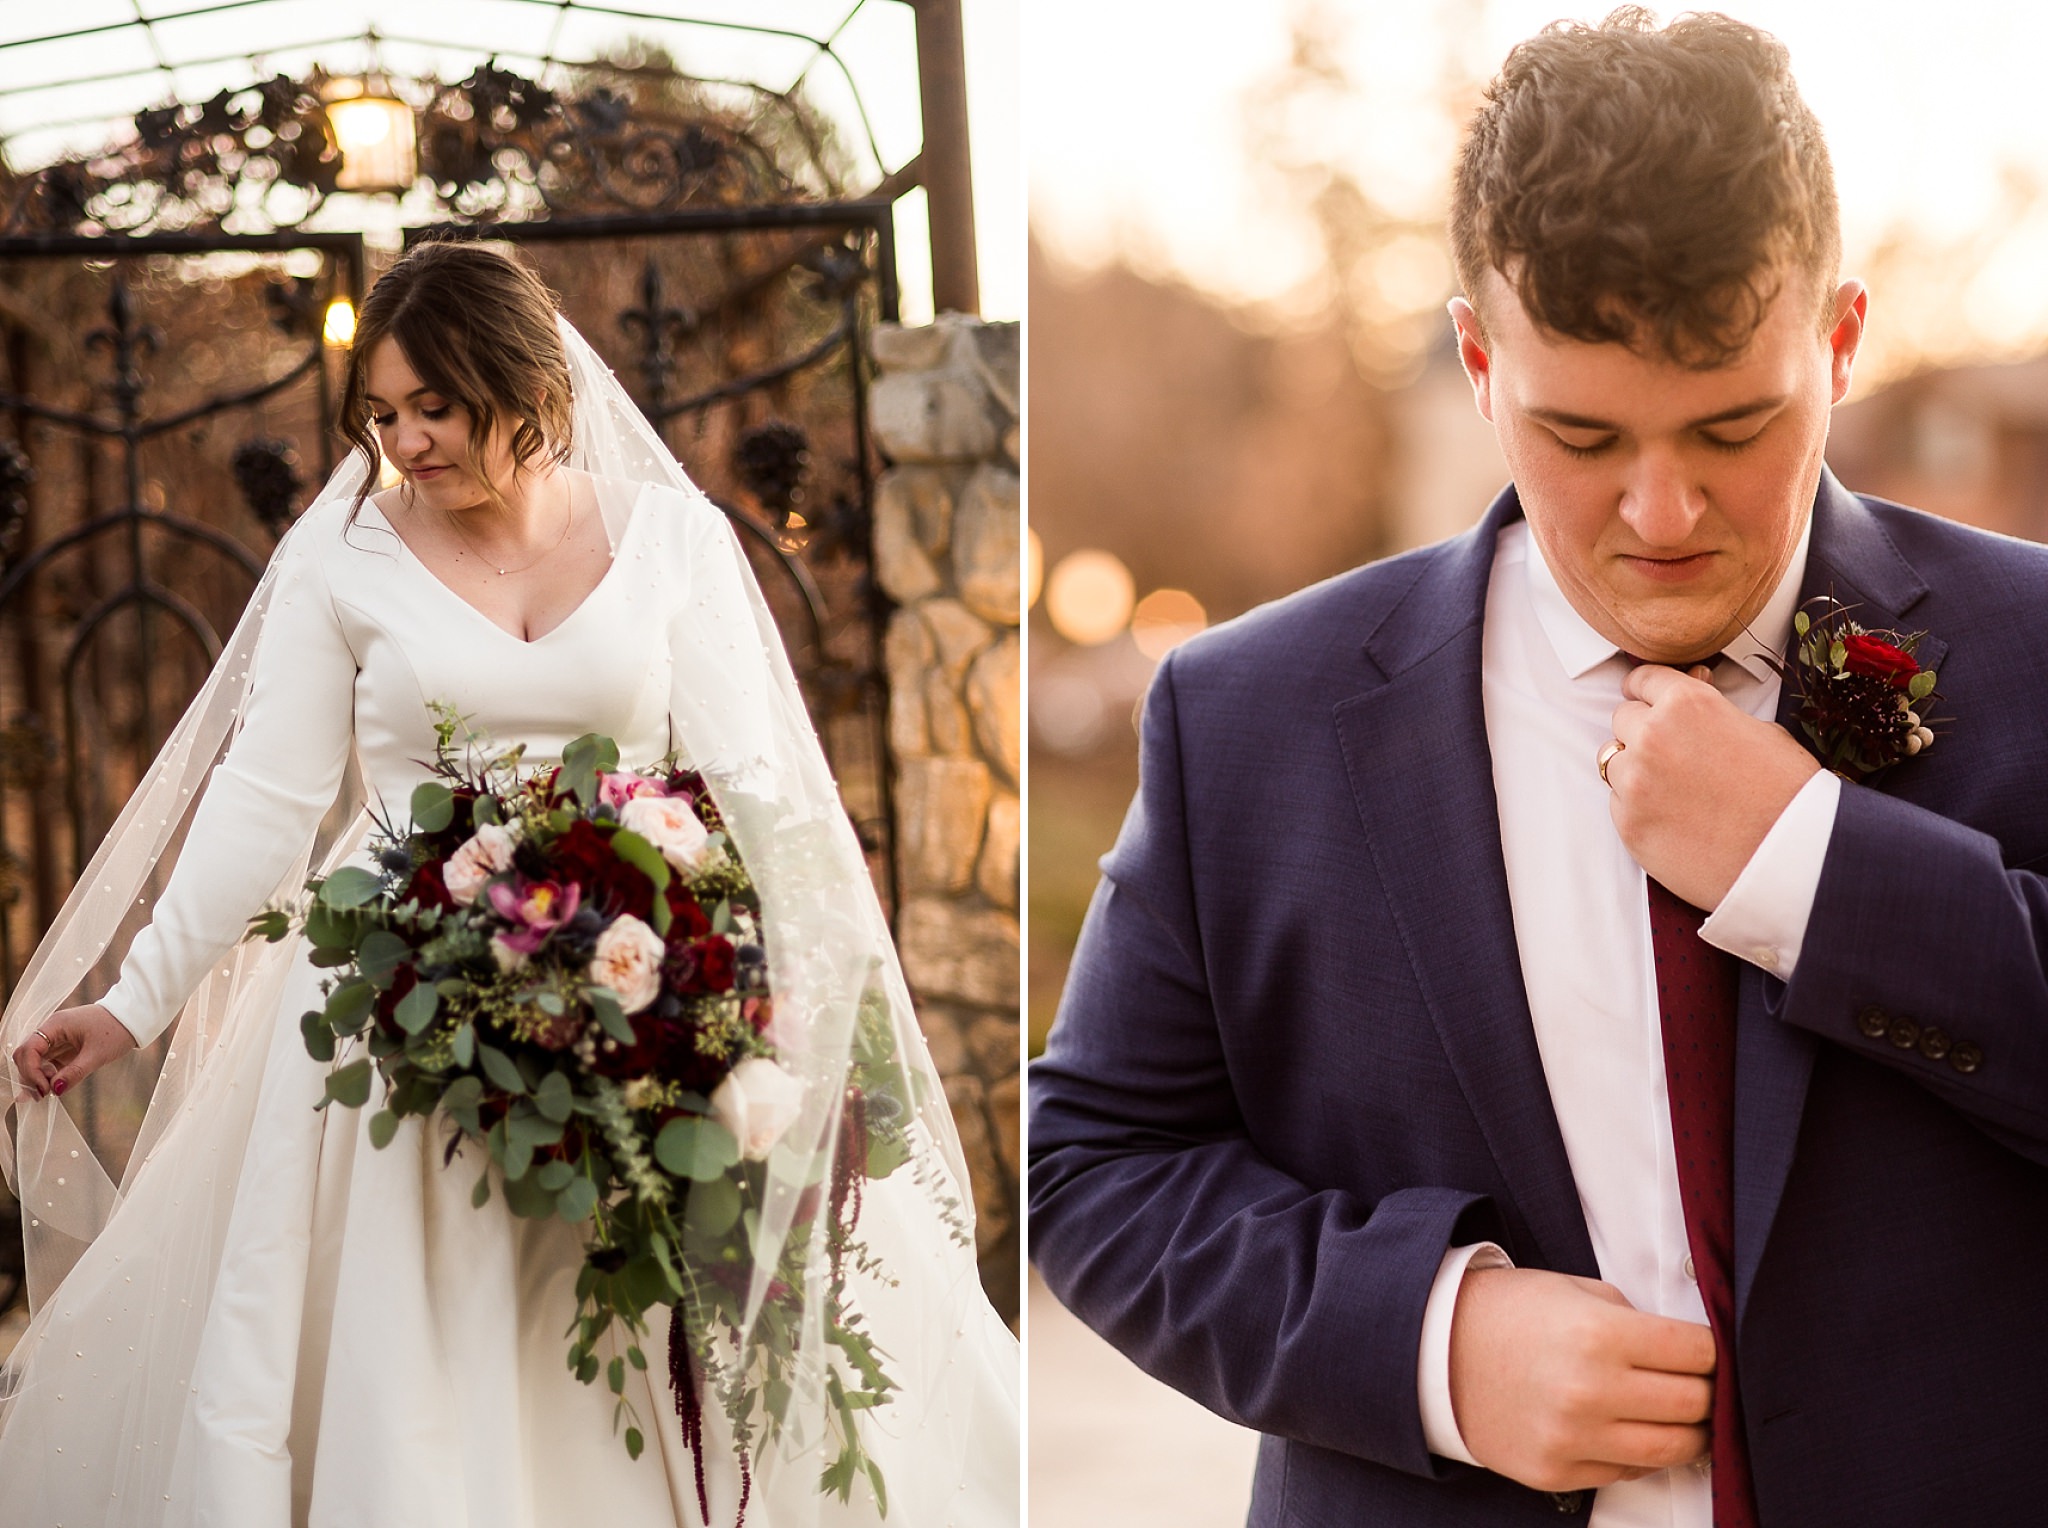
<point>269,1320</point>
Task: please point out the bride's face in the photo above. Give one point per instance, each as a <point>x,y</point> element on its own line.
<point>426,435</point>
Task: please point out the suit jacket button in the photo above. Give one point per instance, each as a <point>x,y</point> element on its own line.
<point>1904,1033</point>
<point>1873,1021</point>
<point>1934,1042</point>
<point>1567,1501</point>
<point>1965,1057</point>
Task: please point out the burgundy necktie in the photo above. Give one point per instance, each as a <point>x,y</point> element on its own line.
<point>1696,997</point>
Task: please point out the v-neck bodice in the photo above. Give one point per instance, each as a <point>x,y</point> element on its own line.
<point>602,668</point>
<point>619,511</point>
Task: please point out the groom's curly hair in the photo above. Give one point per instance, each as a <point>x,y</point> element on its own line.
<point>476,325</point>
<point>1649,187</point>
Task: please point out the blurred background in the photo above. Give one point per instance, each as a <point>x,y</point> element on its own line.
<point>1241,380</point>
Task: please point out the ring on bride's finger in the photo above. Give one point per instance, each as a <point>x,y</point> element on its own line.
<point>1609,750</point>
<point>43,1037</point>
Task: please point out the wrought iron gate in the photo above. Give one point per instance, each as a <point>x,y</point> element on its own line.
<point>165,409</point>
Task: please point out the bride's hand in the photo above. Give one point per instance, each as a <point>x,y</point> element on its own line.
<point>69,1045</point>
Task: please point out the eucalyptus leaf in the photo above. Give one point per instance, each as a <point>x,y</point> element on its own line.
<point>272,925</point>
<point>349,1086</point>
<point>528,1199</point>
<point>554,1176</point>
<point>1921,685</point>
<point>499,1068</point>
<point>642,856</point>
<point>532,1129</point>
<point>554,1097</point>
<point>380,955</point>
<point>348,1006</point>
<point>615,1376</point>
<point>696,1148</point>
<point>714,1206</point>
<point>417,1008</point>
<point>350,886</point>
<point>319,1037</point>
<point>1838,655</point>
<point>634,1443</point>
<point>433,806</point>
<point>1802,623</point>
<point>383,1126</point>
<point>481,1194</point>
<point>464,1045</point>
<point>463,1093</point>
<point>611,1017</point>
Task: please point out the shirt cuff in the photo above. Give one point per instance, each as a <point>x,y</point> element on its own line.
<point>1763,918</point>
<point>1433,1359</point>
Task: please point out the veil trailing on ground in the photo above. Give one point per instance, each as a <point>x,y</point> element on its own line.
<point>154,1238</point>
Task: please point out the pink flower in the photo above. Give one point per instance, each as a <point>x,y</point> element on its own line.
<point>671,824</point>
<point>757,1102</point>
<point>615,790</point>
<point>535,909</point>
<point>486,854</point>
<point>628,961</point>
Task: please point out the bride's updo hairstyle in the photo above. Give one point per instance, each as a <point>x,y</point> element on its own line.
<point>479,329</point>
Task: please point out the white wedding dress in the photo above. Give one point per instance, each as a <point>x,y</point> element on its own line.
<point>374,1351</point>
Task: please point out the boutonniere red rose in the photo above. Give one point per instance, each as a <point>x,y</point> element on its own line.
<point>1864,701</point>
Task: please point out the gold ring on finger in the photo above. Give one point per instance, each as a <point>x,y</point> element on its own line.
<point>1609,751</point>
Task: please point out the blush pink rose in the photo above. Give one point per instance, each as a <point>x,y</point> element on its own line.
<point>757,1102</point>
<point>487,853</point>
<point>672,826</point>
<point>628,961</point>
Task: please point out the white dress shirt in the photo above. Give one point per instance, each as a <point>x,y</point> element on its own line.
<point>1582,925</point>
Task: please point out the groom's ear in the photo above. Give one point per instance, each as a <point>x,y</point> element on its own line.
<point>1472,355</point>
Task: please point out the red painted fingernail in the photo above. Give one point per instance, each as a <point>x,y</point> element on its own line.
<point>59,1085</point>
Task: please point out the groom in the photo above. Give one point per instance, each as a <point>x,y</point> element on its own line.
<point>1501,1064</point>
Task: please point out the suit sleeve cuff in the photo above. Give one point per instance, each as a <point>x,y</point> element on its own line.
<point>1763,918</point>
<point>1433,1360</point>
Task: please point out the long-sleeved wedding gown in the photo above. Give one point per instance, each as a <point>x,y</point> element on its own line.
<point>373,1350</point>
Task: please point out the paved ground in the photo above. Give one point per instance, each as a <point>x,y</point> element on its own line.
<point>1113,1448</point>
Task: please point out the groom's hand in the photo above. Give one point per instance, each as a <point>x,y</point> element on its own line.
<point>1699,782</point>
<point>1559,1383</point>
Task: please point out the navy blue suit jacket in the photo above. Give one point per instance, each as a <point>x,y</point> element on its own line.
<point>1294,1059</point>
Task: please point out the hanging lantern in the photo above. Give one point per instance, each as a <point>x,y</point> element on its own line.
<point>374,130</point>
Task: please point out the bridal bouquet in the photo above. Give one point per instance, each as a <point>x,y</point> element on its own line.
<point>568,966</point>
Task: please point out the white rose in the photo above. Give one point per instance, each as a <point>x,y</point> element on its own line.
<point>487,854</point>
<point>757,1102</point>
<point>628,960</point>
<point>671,824</point>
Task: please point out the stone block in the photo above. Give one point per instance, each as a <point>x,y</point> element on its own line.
<point>996,872</point>
<point>921,497</point>
<point>992,1039</point>
<point>897,347</point>
<point>994,701</point>
<point>1000,350</point>
<point>933,416</point>
<point>957,634</point>
<point>947,721</point>
<point>945,1030</point>
<point>962,954</point>
<point>1004,1099</point>
<point>977,1144</point>
<point>902,566</point>
<point>941,806</point>
<point>909,656</point>
<point>987,541</point>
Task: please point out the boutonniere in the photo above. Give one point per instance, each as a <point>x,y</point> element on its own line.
<point>1864,701</point>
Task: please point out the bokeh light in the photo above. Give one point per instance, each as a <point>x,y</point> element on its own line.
<point>1034,567</point>
<point>1089,596</point>
<point>1164,619</point>
<point>340,325</point>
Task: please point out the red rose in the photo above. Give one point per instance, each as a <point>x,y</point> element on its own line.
<point>428,889</point>
<point>699,965</point>
<point>585,856</point>
<point>686,917</point>
<point>1878,659</point>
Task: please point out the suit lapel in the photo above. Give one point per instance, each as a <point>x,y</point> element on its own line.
<point>1421,772</point>
<point>1852,559</point>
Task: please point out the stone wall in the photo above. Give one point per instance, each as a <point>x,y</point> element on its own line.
<point>947,531</point>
